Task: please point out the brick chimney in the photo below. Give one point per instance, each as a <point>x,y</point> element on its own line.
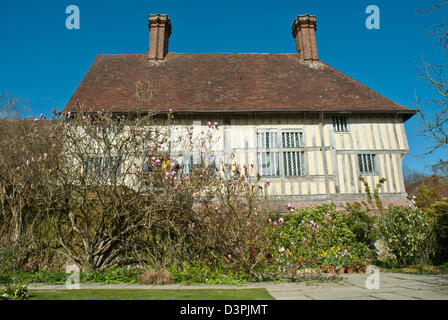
<point>304,31</point>
<point>159,33</point>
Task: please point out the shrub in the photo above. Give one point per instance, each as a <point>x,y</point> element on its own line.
<point>439,212</point>
<point>408,233</point>
<point>360,223</point>
<point>204,273</point>
<point>426,196</point>
<point>15,291</point>
<point>116,275</point>
<point>315,236</point>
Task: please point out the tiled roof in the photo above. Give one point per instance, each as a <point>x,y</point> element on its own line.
<point>225,82</point>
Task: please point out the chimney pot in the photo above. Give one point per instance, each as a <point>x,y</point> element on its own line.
<point>304,31</point>
<point>159,32</point>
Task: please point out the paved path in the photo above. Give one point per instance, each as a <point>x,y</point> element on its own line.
<point>393,286</point>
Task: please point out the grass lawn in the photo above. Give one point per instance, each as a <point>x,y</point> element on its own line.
<point>152,294</point>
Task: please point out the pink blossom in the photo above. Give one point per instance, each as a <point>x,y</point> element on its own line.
<point>304,239</point>
<point>236,194</point>
<point>281,220</point>
<point>157,162</point>
<point>171,110</point>
<point>303,221</point>
<point>281,249</point>
<point>267,183</point>
<point>269,220</point>
<point>216,124</point>
<point>275,224</point>
<point>229,256</point>
<point>209,124</point>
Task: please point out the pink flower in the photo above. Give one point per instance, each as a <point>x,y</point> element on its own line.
<point>209,124</point>
<point>281,220</point>
<point>157,162</point>
<point>216,209</point>
<point>275,224</point>
<point>304,239</point>
<point>229,256</point>
<point>281,249</point>
<point>303,221</point>
<point>267,183</point>
<point>171,110</point>
<point>269,220</point>
<point>268,240</point>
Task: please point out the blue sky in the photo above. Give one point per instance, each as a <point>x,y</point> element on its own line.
<point>44,62</point>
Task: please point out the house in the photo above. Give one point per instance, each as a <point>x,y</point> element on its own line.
<point>308,128</point>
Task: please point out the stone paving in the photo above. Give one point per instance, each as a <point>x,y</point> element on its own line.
<point>392,286</point>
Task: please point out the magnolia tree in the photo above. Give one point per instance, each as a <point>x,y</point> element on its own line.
<point>105,191</point>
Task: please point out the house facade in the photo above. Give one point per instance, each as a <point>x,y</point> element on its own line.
<point>304,126</point>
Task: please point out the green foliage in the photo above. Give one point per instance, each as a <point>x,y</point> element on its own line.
<point>408,234</point>
<point>439,212</point>
<point>313,236</point>
<point>49,277</point>
<point>116,275</point>
<point>360,223</point>
<point>15,291</point>
<point>203,273</point>
<point>376,193</point>
<point>426,196</point>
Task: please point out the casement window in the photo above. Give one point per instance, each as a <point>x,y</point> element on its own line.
<point>280,153</point>
<point>268,153</point>
<point>105,166</point>
<point>366,163</point>
<point>340,124</point>
<point>293,154</point>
